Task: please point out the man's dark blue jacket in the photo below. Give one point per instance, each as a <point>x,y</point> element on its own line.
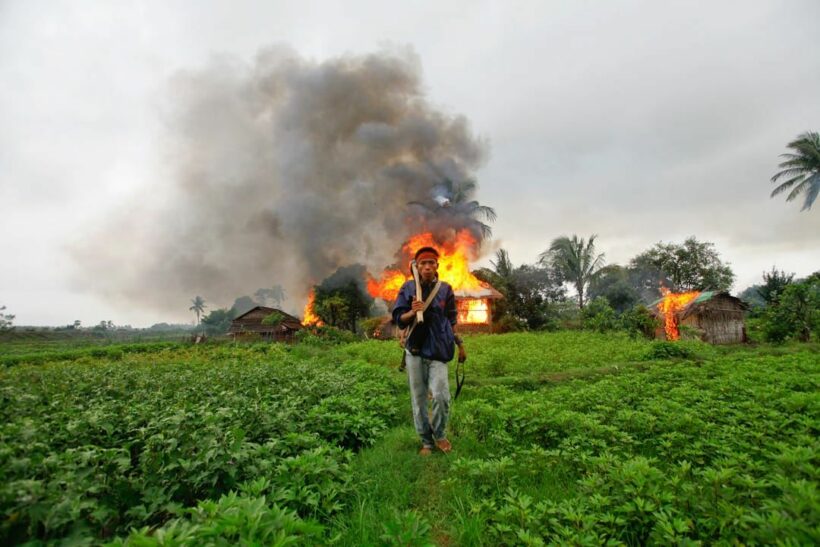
<point>434,338</point>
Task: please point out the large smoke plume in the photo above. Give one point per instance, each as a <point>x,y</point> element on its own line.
<point>283,170</point>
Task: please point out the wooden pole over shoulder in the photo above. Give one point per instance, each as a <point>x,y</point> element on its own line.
<point>415,270</point>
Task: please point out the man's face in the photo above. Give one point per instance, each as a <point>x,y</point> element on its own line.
<point>428,268</point>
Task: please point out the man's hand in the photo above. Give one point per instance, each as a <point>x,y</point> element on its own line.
<point>416,306</point>
<point>462,354</point>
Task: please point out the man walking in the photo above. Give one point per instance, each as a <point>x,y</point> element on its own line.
<point>429,347</point>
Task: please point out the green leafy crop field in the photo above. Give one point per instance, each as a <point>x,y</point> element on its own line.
<point>564,437</point>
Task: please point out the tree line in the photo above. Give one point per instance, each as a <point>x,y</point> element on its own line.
<point>571,286</point>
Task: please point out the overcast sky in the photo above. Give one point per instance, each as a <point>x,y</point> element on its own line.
<point>640,121</point>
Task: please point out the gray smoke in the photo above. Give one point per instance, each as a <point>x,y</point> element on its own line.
<point>284,169</point>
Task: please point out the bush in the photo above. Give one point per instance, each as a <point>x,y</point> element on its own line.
<point>273,319</point>
<point>599,316</point>
<point>663,349</point>
<point>370,325</point>
<point>325,335</point>
<point>640,320</point>
<point>796,315</point>
<point>232,519</point>
<point>507,323</point>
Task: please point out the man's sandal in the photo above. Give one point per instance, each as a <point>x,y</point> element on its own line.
<point>425,451</point>
<point>444,445</point>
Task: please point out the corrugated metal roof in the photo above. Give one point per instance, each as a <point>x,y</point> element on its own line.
<point>702,298</point>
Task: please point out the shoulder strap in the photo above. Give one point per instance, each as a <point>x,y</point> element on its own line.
<point>432,295</point>
<point>427,303</point>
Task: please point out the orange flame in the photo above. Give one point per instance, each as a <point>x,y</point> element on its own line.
<point>473,310</point>
<point>388,287</point>
<point>670,306</point>
<point>310,318</point>
<point>453,265</point>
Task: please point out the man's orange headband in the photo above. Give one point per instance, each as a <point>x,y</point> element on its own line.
<point>427,255</point>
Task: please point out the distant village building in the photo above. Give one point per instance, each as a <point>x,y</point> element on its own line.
<point>715,317</point>
<point>250,324</point>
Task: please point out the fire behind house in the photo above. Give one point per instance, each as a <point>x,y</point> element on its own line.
<point>474,298</point>
<point>715,317</point>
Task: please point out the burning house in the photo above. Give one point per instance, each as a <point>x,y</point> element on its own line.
<point>716,317</point>
<point>475,308</point>
<point>474,298</point>
<point>252,323</point>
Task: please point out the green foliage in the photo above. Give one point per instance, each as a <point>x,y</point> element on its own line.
<point>333,309</point>
<point>683,453</point>
<point>273,319</point>
<point>407,529</point>
<point>232,519</point>
<point>565,438</point>
<point>527,354</point>
<point>614,283</point>
<point>640,321</point>
<point>453,200</point>
<point>751,296</point>
<point>663,349</point>
<point>599,316</point>
<point>94,447</point>
<point>801,169</point>
<point>218,321</point>
<point>508,323</point>
<point>774,283</point>
<point>796,314</point>
<point>370,325</point>
<point>325,335</point>
<point>576,261</point>
<point>112,352</point>
<point>198,307</point>
<point>692,265</point>
<point>341,299</point>
<point>6,320</point>
<point>528,293</point>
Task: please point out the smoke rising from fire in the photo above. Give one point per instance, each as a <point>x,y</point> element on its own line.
<point>283,170</point>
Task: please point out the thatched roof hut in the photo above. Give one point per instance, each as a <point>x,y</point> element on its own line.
<point>717,317</point>
<point>250,323</point>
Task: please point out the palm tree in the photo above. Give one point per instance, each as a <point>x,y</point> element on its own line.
<point>453,198</point>
<point>575,260</point>
<point>802,169</point>
<point>502,265</point>
<point>198,307</point>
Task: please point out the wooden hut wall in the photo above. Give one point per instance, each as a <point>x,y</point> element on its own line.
<point>720,320</point>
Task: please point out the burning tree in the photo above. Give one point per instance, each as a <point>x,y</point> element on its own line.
<point>340,300</point>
